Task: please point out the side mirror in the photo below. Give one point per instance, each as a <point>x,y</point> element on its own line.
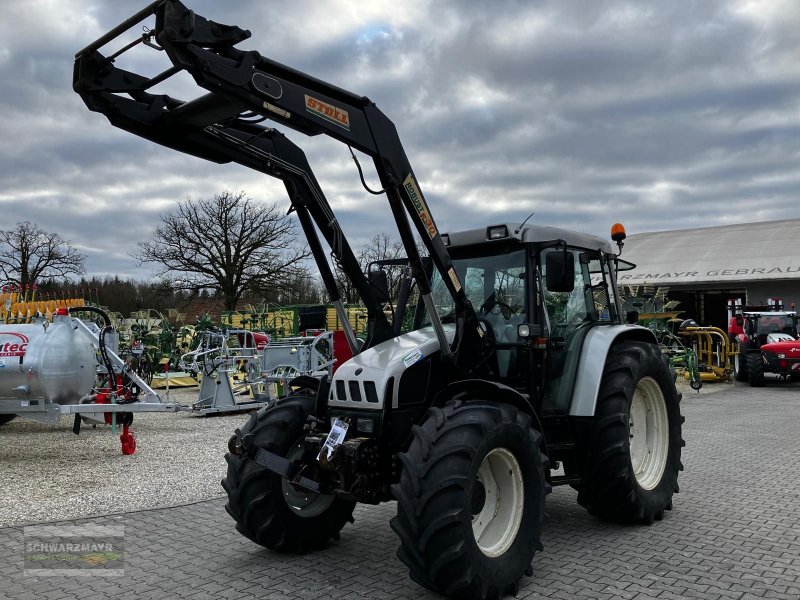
<point>403,294</point>
<point>380,285</point>
<point>560,272</point>
<point>631,317</point>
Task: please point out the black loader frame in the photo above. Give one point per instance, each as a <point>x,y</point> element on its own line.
<point>243,84</point>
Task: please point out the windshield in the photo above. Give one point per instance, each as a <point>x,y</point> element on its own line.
<point>767,324</point>
<point>495,285</point>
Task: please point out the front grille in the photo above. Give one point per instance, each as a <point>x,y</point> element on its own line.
<point>355,391</point>
<point>370,391</point>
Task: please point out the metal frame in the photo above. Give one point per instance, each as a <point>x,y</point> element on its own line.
<point>216,394</point>
<point>213,126</point>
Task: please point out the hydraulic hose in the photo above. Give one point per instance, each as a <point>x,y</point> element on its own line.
<point>101,340</point>
<point>92,309</point>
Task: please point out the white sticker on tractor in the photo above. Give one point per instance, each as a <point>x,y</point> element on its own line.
<point>334,439</point>
<point>410,359</point>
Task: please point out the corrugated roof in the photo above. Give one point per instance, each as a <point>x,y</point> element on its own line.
<point>724,254</point>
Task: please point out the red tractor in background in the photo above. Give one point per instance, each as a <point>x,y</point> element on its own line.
<point>767,341</point>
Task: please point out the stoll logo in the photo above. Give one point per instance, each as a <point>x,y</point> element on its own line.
<point>419,204</point>
<point>16,346</point>
<point>337,116</point>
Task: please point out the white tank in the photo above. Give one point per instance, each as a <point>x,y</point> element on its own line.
<point>49,360</point>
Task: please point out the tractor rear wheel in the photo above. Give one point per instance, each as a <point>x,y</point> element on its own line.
<point>755,369</point>
<point>470,500</point>
<point>6,418</point>
<point>740,364</point>
<point>634,453</point>
<point>266,507</point>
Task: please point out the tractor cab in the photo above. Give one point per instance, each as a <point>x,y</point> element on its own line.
<point>538,291</point>
<point>758,326</point>
<point>752,325</point>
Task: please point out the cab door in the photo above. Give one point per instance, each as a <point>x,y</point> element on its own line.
<point>568,317</point>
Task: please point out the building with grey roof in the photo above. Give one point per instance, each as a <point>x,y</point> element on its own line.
<point>705,267</point>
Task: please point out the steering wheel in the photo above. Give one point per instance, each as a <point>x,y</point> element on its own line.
<point>501,307</point>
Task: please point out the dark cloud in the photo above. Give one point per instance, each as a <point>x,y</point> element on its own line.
<point>663,115</point>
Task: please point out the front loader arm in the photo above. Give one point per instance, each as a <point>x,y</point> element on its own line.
<point>171,123</point>
<point>239,81</point>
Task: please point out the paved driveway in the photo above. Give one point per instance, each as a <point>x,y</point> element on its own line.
<point>734,533</point>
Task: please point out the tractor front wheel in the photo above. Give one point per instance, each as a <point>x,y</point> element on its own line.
<point>740,364</point>
<point>470,500</point>
<point>266,507</point>
<point>634,453</point>
<point>755,369</point>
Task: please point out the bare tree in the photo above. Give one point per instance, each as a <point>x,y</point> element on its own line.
<point>227,243</point>
<point>28,254</point>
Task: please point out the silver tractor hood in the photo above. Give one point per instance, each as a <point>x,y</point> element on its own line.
<point>363,380</point>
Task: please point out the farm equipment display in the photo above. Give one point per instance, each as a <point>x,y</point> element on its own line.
<point>518,362</point>
<point>767,341</point>
<point>651,308</point>
<point>713,350</point>
<point>67,366</point>
<point>228,364</point>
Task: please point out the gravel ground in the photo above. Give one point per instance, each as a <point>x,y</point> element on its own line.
<point>49,473</point>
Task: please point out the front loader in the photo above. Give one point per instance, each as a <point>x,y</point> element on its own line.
<point>519,360</point>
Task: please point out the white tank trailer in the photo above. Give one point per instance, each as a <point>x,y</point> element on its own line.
<point>48,369</point>
<point>47,361</point>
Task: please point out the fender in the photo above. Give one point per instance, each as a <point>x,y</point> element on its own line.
<point>594,353</point>
<point>481,389</point>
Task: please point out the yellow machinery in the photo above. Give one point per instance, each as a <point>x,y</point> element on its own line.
<point>17,306</point>
<point>714,352</point>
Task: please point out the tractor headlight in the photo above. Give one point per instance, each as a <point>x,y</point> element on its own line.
<point>497,232</point>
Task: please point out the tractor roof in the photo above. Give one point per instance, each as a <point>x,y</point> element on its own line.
<point>528,234</point>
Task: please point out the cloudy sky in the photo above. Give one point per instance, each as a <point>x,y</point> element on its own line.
<point>662,115</point>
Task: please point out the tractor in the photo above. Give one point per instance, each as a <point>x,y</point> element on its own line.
<point>520,371</point>
<point>766,338</point>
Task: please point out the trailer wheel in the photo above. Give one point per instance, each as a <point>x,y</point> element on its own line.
<point>266,507</point>
<point>635,448</point>
<point>740,364</point>
<point>755,369</point>
<point>470,500</point>
<point>6,418</point>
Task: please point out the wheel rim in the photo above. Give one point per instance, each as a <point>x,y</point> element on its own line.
<point>497,521</point>
<point>302,502</point>
<point>649,433</point>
